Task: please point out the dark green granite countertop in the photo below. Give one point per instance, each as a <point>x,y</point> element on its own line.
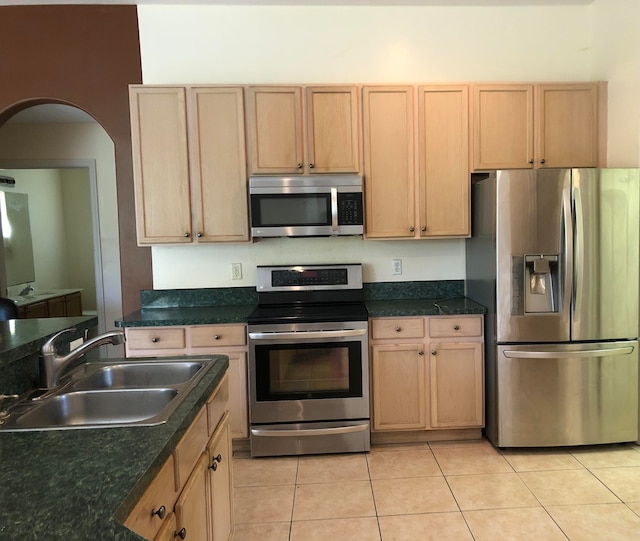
<point>423,307</point>
<point>200,315</point>
<point>82,484</point>
<point>21,337</point>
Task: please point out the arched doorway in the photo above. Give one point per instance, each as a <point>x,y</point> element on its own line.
<point>59,149</point>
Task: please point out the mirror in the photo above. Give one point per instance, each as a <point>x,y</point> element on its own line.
<point>16,235</point>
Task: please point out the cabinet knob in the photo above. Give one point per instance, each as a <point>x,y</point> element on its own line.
<point>420,352</point>
<point>182,534</point>
<point>199,234</point>
<point>216,337</point>
<point>299,166</point>
<point>155,339</point>
<point>398,329</point>
<point>456,327</point>
<point>423,228</point>
<point>310,166</point>
<point>186,235</point>
<point>531,162</point>
<point>434,352</point>
<point>161,511</point>
<point>218,458</point>
<point>543,160</point>
<point>412,229</point>
<point>214,466</point>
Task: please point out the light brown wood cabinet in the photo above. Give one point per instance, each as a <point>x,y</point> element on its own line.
<point>185,498</point>
<point>522,126</point>
<point>427,198</point>
<point>303,130</point>
<point>189,160</point>
<point>228,339</point>
<point>427,373</point>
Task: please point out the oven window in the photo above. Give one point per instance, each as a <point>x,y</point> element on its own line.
<point>308,371</point>
<point>290,210</point>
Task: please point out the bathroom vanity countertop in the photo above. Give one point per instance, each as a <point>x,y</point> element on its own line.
<point>39,296</point>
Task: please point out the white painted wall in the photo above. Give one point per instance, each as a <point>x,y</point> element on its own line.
<point>616,59</point>
<point>350,44</point>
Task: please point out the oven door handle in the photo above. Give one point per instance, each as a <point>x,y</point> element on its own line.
<point>309,432</point>
<point>303,335</point>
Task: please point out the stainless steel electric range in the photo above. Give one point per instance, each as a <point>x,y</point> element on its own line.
<point>308,361</point>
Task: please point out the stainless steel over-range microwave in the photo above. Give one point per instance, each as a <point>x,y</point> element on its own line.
<point>306,206</point>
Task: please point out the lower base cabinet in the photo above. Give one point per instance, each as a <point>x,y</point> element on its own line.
<point>427,373</point>
<point>191,497</point>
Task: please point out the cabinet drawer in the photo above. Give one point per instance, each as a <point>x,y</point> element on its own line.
<point>206,336</point>
<point>155,338</point>
<point>160,493</point>
<point>190,448</point>
<point>453,327</point>
<point>217,404</point>
<point>382,329</point>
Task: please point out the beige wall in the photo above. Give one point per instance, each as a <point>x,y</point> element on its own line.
<point>25,145</point>
<point>289,44</point>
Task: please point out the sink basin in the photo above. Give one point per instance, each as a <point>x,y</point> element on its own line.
<point>148,374</point>
<point>121,393</point>
<point>97,408</point>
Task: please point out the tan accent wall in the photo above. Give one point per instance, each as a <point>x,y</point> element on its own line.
<point>85,56</point>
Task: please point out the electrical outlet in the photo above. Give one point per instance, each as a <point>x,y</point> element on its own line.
<point>396,266</point>
<point>236,271</point>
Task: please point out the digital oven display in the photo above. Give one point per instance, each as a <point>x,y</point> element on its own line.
<point>313,277</point>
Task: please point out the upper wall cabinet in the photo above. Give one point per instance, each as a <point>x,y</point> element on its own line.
<point>304,130</point>
<point>437,203</point>
<point>522,126</point>
<point>189,163</point>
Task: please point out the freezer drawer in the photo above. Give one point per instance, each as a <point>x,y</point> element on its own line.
<point>571,394</point>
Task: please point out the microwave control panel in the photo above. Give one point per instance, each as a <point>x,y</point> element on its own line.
<point>350,209</point>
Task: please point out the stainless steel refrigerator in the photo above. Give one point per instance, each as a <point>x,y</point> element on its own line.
<point>554,258</point>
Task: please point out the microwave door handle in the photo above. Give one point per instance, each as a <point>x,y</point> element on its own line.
<point>334,210</point>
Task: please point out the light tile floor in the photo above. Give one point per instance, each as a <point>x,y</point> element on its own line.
<point>441,491</point>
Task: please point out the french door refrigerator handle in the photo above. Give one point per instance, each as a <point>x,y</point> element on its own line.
<point>578,251</point>
<point>309,432</point>
<point>569,285</point>
<point>513,354</point>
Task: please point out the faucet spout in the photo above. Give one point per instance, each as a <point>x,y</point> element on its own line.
<point>52,365</point>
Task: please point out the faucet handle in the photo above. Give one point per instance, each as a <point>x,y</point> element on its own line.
<point>50,345</point>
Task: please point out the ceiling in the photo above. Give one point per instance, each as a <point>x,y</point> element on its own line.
<point>315,2</point>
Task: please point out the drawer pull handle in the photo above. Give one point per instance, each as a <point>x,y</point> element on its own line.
<point>182,534</point>
<point>161,511</point>
<point>398,329</point>
<point>420,352</point>
<point>155,339</point>
<point>456,327</point>
<point>216,337</point>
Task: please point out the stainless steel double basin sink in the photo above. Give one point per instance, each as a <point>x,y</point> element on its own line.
<point>110,394</point>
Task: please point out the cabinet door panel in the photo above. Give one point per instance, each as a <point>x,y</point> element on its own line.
<point>389,174</point>
<point>456,384</point>
<point>567,125</point>
<point>161,164</point>
<point>333,136</point>
<point>191,507</point>
<point>218,173</point>
<point>73,304</point>
<point>399,387</point>
<point>503,126</point>
<point>221,483</point>
<point>275,129</point>
<point>444,161</point>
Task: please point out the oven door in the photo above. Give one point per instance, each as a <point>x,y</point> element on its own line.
<point>308,372</point>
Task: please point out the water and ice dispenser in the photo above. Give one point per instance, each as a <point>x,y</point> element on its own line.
<point>541,283</point>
